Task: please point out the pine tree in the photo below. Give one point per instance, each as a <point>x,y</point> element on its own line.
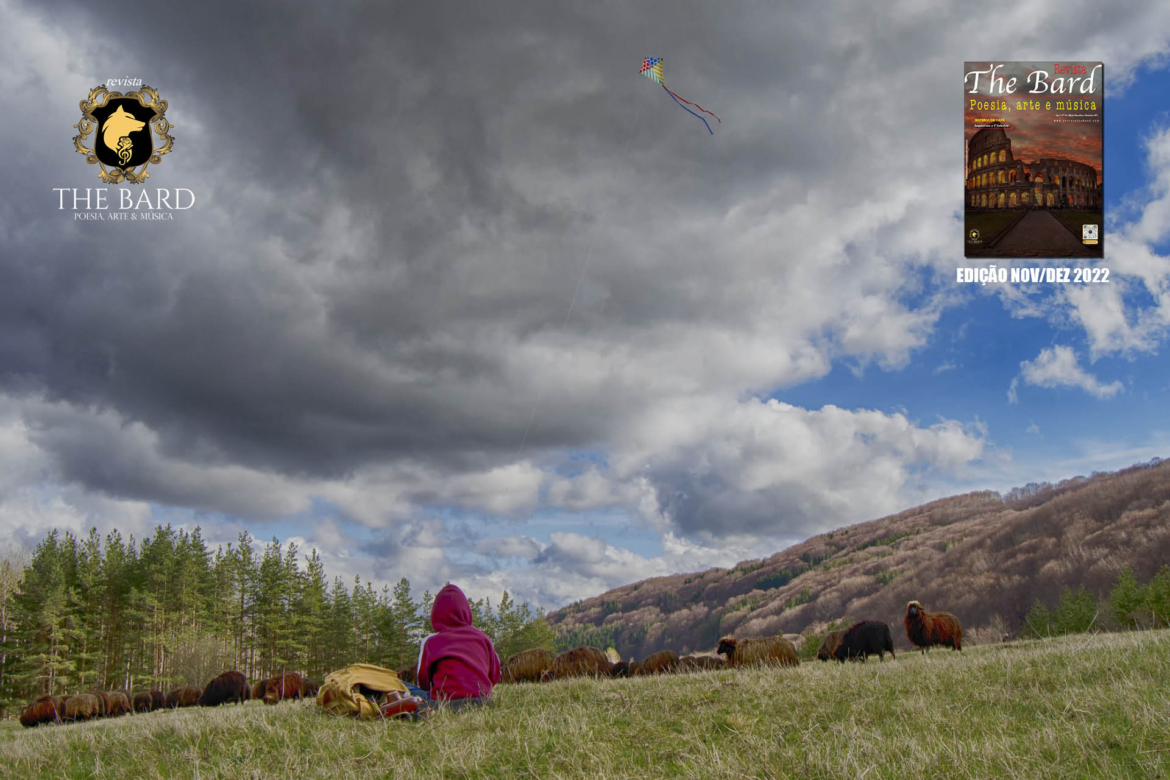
<point>1158,598</point>
<point>242,618</point>
<point>340,625</point>
<point>1127,599</point>
<point>1076,612</point>
<point>121,648</point>
<point>313,610</point>
<point>40,611</point>
<point>1038,621</point>
<point>12,566</point>
<point>406,629</point>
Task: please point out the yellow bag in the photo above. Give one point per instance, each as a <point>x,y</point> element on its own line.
<point>349,691</point>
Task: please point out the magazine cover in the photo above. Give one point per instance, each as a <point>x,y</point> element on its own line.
<point>1032,158</point>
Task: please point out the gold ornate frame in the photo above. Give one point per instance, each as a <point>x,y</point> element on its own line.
<point>148,98</point>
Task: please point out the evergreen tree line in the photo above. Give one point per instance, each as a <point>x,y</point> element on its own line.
<point>1130,605</point>
<point>94,613</point>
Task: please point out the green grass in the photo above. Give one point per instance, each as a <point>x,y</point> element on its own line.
<point>1077,706</point>
<point>1075,219</point>
<point>990,225</point>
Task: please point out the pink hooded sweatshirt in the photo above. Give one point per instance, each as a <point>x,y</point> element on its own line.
<point>458,661</point>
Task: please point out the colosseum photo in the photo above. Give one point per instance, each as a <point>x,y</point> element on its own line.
<point>997,180</point>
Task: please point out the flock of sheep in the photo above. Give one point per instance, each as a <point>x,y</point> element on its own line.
<point>228,687</point>
<point>867,637</point>
<point>859,641</point>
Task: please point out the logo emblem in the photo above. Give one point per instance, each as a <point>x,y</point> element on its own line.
<point>122,128</point>
<point>1089,234</point>
<point>973,235</point>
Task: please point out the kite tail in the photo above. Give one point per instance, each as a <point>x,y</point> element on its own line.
<point>696,105</point>
<point>692,113</point>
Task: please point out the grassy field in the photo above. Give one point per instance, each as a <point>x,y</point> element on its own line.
<point>1075,219</point>
<point>1074,707</point>
<point>990,225</point>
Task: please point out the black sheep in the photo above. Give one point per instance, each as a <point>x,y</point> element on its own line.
<point>228,687</point>
<point>863,639</point>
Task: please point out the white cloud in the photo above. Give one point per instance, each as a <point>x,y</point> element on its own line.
<point>1058,367</point>
<point>1131,314</point>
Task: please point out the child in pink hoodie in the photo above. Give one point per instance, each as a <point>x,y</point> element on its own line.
<point>458,663</point>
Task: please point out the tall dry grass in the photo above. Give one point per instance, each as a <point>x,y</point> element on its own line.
<point>1079,706</point>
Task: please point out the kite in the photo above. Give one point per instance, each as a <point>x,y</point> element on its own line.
<point>652,69</point>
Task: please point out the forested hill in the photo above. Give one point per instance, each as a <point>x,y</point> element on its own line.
<point>988,558</point>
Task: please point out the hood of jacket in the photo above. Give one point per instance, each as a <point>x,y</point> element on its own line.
<point>450,609</point>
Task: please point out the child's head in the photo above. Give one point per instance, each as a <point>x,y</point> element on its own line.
<point>450,609</point>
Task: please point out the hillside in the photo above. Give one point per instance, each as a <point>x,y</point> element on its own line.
<point>983,556</point>
<point>1076,706</point>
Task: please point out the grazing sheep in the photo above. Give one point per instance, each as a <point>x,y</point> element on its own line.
<point>158,700</point>
<point>311,688</point>
<point>758,650</point>
<point>117,703</point>
<point>699,663</point>
<point>142,702</point>
<point>258,688</point>
<point>43,709</point>
<point>579,662</point>
<point>620,669</point>
<point>229,686</point>
<point>284,686</point>
<point>84,706</point>
<point>926,629</point>
<point>662,662</point>
<point>184,696</point>
<point>830,644</point>
<point>864,638</point>
<point>527,666</point>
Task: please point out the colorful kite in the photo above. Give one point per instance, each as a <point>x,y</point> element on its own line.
<point>652,69</point>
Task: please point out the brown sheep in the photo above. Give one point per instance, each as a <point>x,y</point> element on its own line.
<point>43,709</point>
<point>258,688</point>
<point>84,706</point>
<point>311,688</point>
<point>227,687</point>
<point>527,666</point>
<point>926,629</point>
<point>117,703</point>
<point>830,644</point>
<point>158,700</point>
<point>620,669</point>
<point>770,650</point>
<point>579,662</point>
<point>184,696</point>
<point>284,686</point>
<point>143,702</point>
<point>662,662</point>
<point>700,663</point>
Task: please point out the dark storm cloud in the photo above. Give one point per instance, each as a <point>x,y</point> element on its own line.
<point>240,337</point>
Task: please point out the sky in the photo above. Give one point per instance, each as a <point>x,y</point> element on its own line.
<point>463,297</point>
